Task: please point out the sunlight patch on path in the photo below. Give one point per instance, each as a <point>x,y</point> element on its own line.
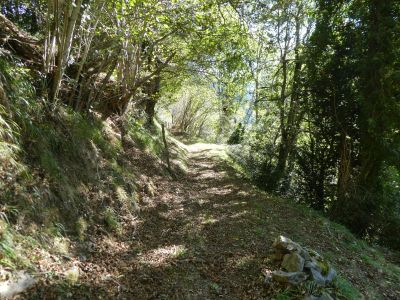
<point>219,191</point>
<point>205,147</point>
<point>162,255</point>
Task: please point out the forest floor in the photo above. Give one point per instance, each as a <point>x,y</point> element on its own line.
<point>207,235</point>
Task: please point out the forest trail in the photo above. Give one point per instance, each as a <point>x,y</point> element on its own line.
<point>203,236</point>
<point>306,92</point>
<point>207,235</point>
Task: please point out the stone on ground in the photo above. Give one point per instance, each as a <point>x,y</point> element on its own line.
<point>21,282</point>
<point>289,277</point>
<point>293,262</point>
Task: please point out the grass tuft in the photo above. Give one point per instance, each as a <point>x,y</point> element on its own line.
<point>111,220</point>
<point>346,289</point>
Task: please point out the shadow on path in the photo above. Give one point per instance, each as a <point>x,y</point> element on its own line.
<point>204,236</point>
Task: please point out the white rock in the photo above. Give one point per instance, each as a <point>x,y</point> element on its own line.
<point>21,282</point>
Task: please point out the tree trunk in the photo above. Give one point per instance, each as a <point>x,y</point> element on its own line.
<point>65,43</point>
<point>290,121</point>
<point>344,176</point>
<point>256,99</point>
<point>152,91</point>
<point>279,169</point>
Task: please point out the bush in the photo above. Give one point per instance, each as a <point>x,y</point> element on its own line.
<point>237,135</point>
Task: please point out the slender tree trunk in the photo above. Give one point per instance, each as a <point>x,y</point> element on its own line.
<point>290,120</point>
<point>256,99</point>
<point>279,169</point>
<point>64,44</point>
<point>82,61</point>
<point>344,175</point>
<point>152,91</point>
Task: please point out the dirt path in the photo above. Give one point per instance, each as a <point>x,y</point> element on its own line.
<point>198,238</point>
<point>204,236</point>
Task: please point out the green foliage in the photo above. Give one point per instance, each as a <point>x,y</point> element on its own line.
<point>192,110</point>
<point>389,208</point>
<point>148,139</point>
<point>343,142</point>
<point>50,164</point>
<point>14,83</point>
<point>346,289</point>
<point>8,137</point>
<point>328,135</point>
<point>237,135</point>
<point>111,220</point>
<point>26,18</point>
<point>10,256</point>
<point>283,296</point>
<point>315,84</point>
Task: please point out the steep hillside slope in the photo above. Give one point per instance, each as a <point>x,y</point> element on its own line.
<point>69,179</point>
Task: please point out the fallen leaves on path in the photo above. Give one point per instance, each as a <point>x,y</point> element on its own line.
<point>204,236</point>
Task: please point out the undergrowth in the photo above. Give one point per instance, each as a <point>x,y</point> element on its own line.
<point>371,255</point>
<point>62,174</point>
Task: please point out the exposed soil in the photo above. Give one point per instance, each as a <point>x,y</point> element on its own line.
<point>205,235</point>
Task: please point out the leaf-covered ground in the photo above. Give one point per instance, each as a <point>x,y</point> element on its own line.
<point>207,235</point>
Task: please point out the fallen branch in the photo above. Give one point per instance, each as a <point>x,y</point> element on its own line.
<point>19,42</point>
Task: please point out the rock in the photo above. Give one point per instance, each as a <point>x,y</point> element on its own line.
<point>285,244</point>
<point>320,279</point>
<point>304,253</point>
<point>289,277</point>
<point>298,264</point>
<point>267,276</point>
<point>317,276</point>
<point>293,262</point>
<point>312,264</point>
<point>277,256</point>
<point>13,286</point>
<point>331,275</point>
<point>314,255</point>
<point>321,272</point>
